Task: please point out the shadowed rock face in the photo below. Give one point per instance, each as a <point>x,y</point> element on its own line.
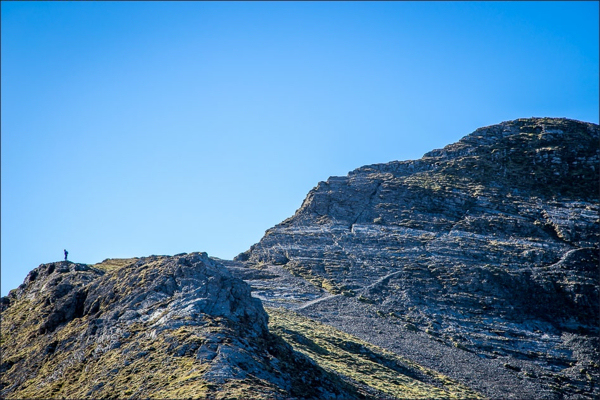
<point>157,326</point>
<point>489,245</point>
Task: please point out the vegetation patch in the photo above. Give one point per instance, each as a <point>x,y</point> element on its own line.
<point>365,365</point>
<point>111,264</point>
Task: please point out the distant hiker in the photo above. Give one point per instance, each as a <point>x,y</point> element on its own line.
<point>66,255</point>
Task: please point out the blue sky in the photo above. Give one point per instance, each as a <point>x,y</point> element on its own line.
<point>139,128</point>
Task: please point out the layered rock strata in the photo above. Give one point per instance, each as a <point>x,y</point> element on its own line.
<point>489,245</point>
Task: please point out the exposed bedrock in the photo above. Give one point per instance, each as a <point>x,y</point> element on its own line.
<point>489,244</point>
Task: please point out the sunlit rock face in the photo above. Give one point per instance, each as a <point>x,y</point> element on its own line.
<point>489,245</point>
<point>159,326</point>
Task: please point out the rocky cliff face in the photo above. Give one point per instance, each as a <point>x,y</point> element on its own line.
<point>166,327</point>
<point>489,246</point>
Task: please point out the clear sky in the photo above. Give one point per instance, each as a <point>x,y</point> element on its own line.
<point>139,128</point>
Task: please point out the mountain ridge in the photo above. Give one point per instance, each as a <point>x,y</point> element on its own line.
<point>471,272</point>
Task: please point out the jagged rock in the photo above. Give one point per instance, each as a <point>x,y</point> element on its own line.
<point>157,326</point>
<point>489,245</point>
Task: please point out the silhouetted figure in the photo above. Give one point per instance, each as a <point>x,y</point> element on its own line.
<point>66,255</point>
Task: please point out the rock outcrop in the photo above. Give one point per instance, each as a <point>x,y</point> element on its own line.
<point>489,246</point>
<point>165,327</point>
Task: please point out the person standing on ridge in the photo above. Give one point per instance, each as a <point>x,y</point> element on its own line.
<point>66,254</point>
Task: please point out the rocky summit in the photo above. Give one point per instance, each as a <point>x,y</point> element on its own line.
<point>470,273</point>
<point>479,260</point>
<point>161,327</point>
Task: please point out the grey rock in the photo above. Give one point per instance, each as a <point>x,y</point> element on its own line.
<point>488,246</point>
<point>155,326</point>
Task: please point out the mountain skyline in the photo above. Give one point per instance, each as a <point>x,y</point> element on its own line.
<point>471,272</point>
<point>131,129</point>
